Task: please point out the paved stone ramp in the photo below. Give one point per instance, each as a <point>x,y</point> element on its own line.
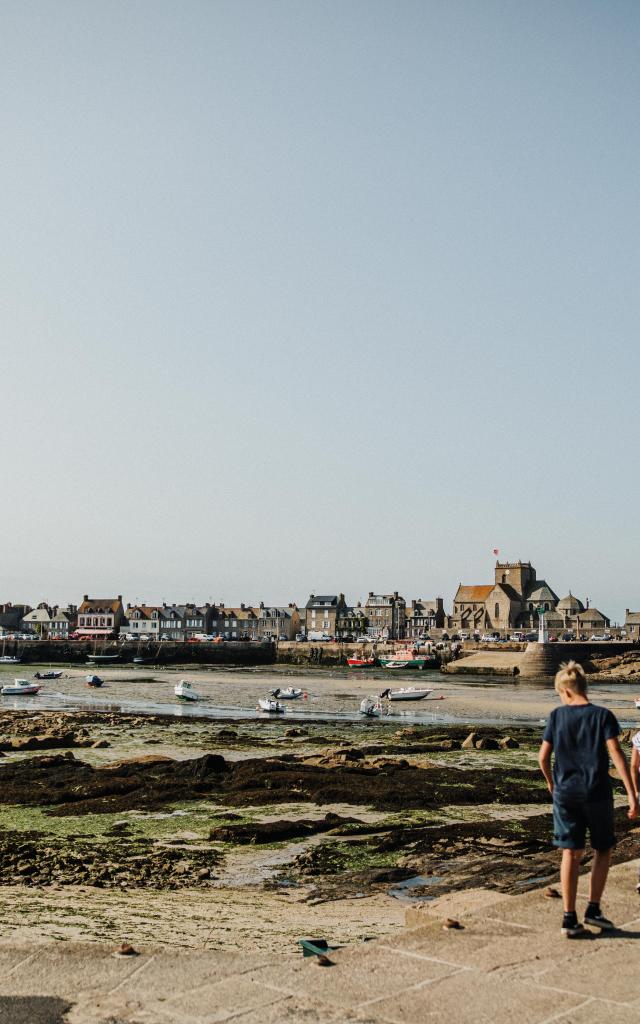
<point>508,963</point>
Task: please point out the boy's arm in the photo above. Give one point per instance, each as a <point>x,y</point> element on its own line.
<point>544,760</point>
<point>617,756</point>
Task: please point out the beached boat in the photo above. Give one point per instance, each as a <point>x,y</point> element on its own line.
<point>408,657</point>
<point>10,659</point>
<point>271,705</point>
<point>185,691</point>
<point>372,707</point>
<point>92,680</point>
<point>407,693</point>
<point>362,661</point>
<point>289,693</point>
<point>638,702</point>
<point>20,687</point>
<point>47,675</point>
<point>99,658</point>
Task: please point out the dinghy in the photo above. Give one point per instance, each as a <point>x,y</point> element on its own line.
<point>271,705</point>
<point>372,707</point>
<point>20,687</point>
<point>47,675</point>
<point>93,680</point>
<point>289,693</point>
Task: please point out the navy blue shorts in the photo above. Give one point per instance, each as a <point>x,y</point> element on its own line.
<point>573,818</point>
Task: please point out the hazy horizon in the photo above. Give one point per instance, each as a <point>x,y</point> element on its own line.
<point>312,297</point>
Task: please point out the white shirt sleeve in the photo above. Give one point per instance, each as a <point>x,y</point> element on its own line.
<point>635,740</point>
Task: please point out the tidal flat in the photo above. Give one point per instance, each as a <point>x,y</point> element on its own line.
<point>161,830</point>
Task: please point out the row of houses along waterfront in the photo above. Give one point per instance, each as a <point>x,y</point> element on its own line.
<point>512,601</point>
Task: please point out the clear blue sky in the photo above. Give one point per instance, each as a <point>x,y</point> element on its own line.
<point>305,296</point>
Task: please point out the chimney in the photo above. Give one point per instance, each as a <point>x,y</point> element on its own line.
<point>413,604</point>
<point>371,593</point>
<point>241,607</point>
<point>120,598</point>
<point>341,597</point>
<point>262,604</point>
<point>86,597</point>
<point>395,594</point>
<point>311,597</point>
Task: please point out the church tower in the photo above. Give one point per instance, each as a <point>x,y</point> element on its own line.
<point>519,575</point>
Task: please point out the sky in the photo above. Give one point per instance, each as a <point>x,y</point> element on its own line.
<point>308,297</point>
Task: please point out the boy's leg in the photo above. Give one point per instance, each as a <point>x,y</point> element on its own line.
<point>569,871</point>
<point>599,872</point>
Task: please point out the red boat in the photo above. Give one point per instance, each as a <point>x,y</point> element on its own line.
<point>361,662</point>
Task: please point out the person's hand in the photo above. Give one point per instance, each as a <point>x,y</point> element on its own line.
<point>633,807</point>
<point>550,787</point>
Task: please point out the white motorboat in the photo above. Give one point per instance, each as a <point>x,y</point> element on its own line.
<point>9,659</point>
<point>372,707</point>
<point>271,705</point>
<point>20,687</point>
<point>289,693</point>
<point>185,691</point>
<point>407,693</point>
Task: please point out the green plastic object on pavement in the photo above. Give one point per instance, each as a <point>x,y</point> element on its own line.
<point>316,947</point>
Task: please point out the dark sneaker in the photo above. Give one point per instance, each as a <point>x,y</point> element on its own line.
<point>572,928</point>
<point>598,920</point>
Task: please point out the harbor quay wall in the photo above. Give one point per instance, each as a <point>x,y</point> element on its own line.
<point>542,661</point>
<point>77,652</point>
<point>327,653</point>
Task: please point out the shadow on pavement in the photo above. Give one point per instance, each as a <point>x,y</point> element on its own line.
<point>32,1010</point>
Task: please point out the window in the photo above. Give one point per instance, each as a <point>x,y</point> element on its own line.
<point>497,611</point>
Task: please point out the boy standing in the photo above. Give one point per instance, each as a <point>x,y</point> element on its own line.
<point>582,737</point>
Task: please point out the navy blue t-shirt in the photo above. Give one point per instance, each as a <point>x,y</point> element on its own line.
<point>578,734</point>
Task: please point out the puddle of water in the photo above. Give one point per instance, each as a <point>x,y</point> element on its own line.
<point>405,890</point>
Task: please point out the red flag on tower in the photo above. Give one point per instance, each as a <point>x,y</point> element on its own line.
<point>496,552</point>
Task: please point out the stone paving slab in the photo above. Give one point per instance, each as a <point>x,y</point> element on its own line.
<point>473,997</point>
<point>365,972</point>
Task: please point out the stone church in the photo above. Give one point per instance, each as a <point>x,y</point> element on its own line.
<point>512,602</point>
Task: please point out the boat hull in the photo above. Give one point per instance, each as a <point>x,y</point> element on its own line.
<point>361,662</point>
<point>409,694</point>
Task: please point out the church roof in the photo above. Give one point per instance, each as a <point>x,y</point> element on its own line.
<point>570,603</point>
<point>512,594</point>
<point>541,592</point>
<point>479,593</point>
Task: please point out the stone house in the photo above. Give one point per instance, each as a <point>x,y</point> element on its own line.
<point>171,621</point>
<point>11,616</point>
<point>321,612</point>
<point>275,621</point>
<point>100,616</point>
<point>351,623</point>
<point>632,624</point>
<point>386,616</point>
<point>591,620</point>
<point>63,622</point>
<point>143,620</point>
<point>38,620</point>
<point>424,616</point>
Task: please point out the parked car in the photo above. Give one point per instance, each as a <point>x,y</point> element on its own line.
<point>517,637</point>
<point>600,637</point>
<point>300,638</point>
<point>488,638</point>
<point>463,635</point>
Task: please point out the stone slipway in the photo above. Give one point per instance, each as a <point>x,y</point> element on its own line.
<point>508,963</point>
<point>490,663</point>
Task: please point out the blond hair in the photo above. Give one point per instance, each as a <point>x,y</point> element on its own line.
<point>571,676</point>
